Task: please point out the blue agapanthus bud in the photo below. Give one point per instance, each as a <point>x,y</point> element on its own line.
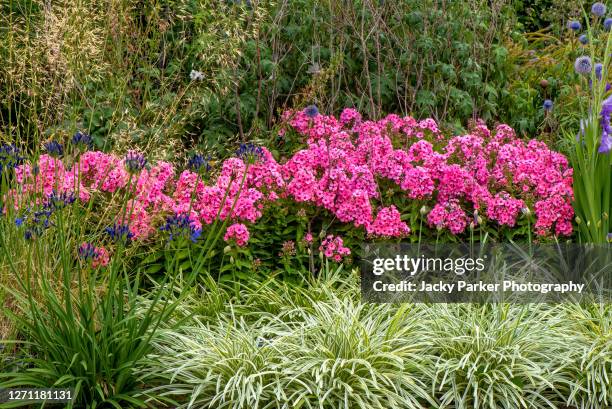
<point>54,148</point>
<point>583,65</point>
<point>249,152</point>
<point>134,161</point>
<point>574,25</point>
<point>119,232</point>
<point>87,251</point>
<point>548,104</point>
<point>57,200</point>
<point>583,39</point>
<point>181,225</point>
<point>198,163</point>
<point>82,140</point>
<point>10,157</point>
<point>598,9</point>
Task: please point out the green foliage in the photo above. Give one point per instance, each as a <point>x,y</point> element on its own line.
<point>277,345</point>
<point>495,356</point>
<point>592,364</point>
<point>592,179</point>
<point>428,59</point>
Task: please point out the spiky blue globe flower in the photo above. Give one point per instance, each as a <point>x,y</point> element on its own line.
<point>82,140</point>
<point>598,70</point>
<point>54,148</point>
<point>583,65</point>
<point>583,39</point>
<point>598,9</point>
<point>574,25</point>
<point>607,23</point>
<point>548,104</point>
<point>134,161</point>
<point>311,111</point>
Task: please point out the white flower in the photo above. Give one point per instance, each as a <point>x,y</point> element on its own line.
<point>196,75</point>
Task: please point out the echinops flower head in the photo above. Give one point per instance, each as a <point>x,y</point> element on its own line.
<point>311,111</point>
<point>574,25</point>
<point>607,23</point>
<point>548,104</point>
<point>583,39</point>
<point>598,70</point>
<point>583,65</point>
<point>598,9</point>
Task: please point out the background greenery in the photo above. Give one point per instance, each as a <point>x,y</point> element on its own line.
<point>120,69</point>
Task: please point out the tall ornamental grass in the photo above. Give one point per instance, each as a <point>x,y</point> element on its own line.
<point>278,346</point>
<point>590,153</point>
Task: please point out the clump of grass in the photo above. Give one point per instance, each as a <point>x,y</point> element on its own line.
<point>275,345</point>
<point>496,356</point>
<point>306,352</point>
<point>347,354</point>
<point>589,333</point>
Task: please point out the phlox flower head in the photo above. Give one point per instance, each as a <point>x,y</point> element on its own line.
<point>101,257</point>
<point>134,161</point>
<point>598,9</point>
<point>583,65</point>
<point>54,149</point>
<point>333,248</point>
<point>237,232</point>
